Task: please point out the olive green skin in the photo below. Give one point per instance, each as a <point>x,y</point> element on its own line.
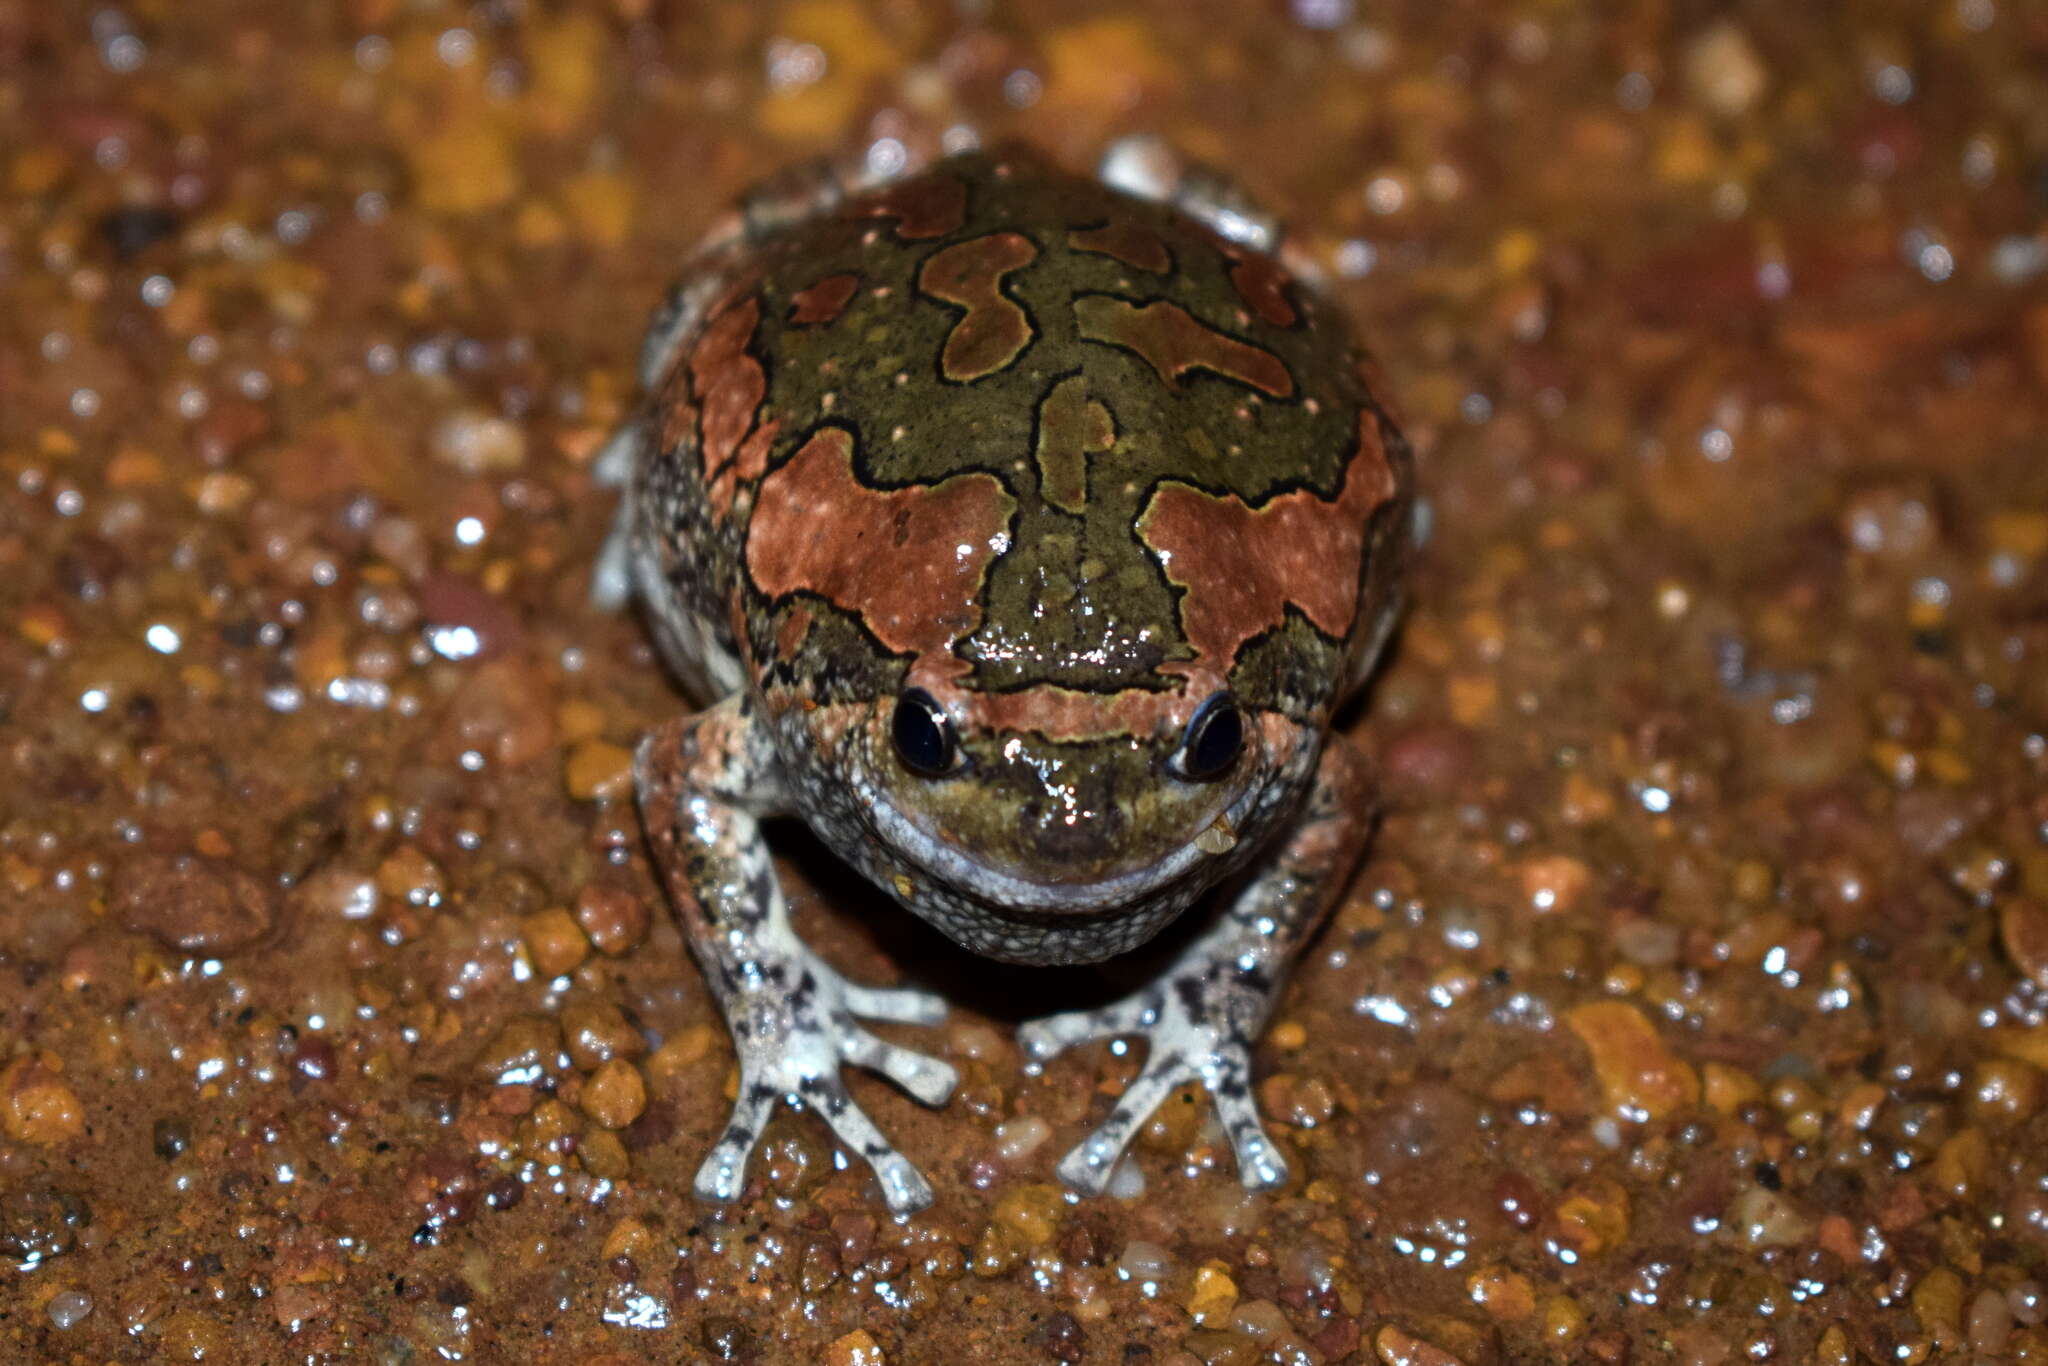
<point>815,448</point>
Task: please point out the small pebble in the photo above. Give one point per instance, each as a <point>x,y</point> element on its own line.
<point>598,769</point>
<point>614,918</point>
<point>603,1155</point>
<point>479,443</point>
<point>524,1048</point>
<point>38,1106</point>
<point>1145,1262</point>
<point>1214,1294</point>
<point>1990,1325</point>
<point>2023,929</point>
<point>1638,1073</point>
<point>1017,1139</point>
<point>1032,1212</point>
<point>857,1348</point>
<point>68,1308</point>
<point>193,904</point>
<point>555,942</point>
<point>1723,70</point>
<point>1398,1348</point>
<point>597,1032</point>
<point>615,1094</point>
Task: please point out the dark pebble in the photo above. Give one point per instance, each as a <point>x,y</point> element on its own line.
<point>194,905</point>
<point>40,1223</point>
<point>1062,1338</point>
<point>134,230</point>
<point>504,1193</point>
<point>170,1138</point>
<point>726,1338</point>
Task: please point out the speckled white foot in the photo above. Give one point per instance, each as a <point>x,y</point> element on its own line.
<point>792,1043</point>
<point>1195,1026</point>
<point>611,577</point>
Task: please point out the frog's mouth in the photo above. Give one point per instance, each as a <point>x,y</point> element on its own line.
<point>1199,861</point>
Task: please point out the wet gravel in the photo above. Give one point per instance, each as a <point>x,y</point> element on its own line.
<point>1691,1007</point>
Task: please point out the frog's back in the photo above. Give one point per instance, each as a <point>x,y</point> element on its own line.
<point>1050,433</point>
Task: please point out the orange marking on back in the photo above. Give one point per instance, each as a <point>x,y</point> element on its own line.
<point>1262,283</point>
<point>1136,247</point>
<point>824,301</point>
<point>1241,567</point>
<point>928,207</point>
<point>728,385</point>
<point>747,463</point>
<point>1071,427</point>
<point>995,329</point>
<point>1060,713</point>
<point>908,562</point>
<point>1174,342</point>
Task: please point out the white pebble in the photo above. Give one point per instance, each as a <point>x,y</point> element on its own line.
<point>1144,1262</point>
<point>479,443</point>
<point>1017,1139</point>
<point>68,1308</point>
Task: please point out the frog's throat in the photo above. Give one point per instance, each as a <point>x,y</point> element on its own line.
<point>967,876</point>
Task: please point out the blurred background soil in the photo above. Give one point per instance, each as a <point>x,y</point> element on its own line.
<point>1692,1006</point>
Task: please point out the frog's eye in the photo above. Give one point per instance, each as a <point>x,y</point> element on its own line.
<point>923,735</point>
<point>1212,741</point>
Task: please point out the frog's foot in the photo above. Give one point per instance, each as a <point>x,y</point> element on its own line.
<point>793,1032</point>
<point>611,578</point>
<point>1146,165</point>
<point>1192,1039</point>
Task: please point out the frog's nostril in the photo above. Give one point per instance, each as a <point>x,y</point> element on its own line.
<point>1068,839</point>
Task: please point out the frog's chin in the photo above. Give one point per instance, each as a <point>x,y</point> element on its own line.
<point>1054,940</point>
<point>1022,919</point>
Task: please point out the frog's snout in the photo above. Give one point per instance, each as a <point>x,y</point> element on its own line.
<point>1078,839</point>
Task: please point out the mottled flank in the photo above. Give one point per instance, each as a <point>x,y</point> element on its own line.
<point>1071,427</point>
<point>1240,568</point>
<point>727,383</point>
<point>824,301</point>
<point>994,329</point>
<point>817,529</point>
<point>929,207</point>
<point>1175,343</point>
<point>1135,246</point>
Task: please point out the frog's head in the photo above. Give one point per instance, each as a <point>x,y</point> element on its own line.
<point>1051,825</point>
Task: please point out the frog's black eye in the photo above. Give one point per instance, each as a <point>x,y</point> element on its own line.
<point>1212,741</point>
<point>923,735</point>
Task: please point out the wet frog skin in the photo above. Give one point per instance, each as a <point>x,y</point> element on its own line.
<point>1020,532</point>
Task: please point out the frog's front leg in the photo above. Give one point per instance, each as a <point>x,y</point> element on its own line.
<point>1204,1012</point>
<point>704,783</point>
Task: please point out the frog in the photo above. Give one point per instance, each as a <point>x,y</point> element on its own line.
<point>1021,531</point>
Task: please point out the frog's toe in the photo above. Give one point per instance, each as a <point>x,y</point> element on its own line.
<point>1088,1167</point>
<point>1182,1053</point>
<point>723,1173</point>
<point>928,1079</point>
<point>903,1186</point>
<point>898,1005</point>
<point>612,466</point>
<point>1140,164</point>
<point>1051,1035</point>
<point>1259,1163</point>
<point>611,577</point>
<point>1228,1077</point>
